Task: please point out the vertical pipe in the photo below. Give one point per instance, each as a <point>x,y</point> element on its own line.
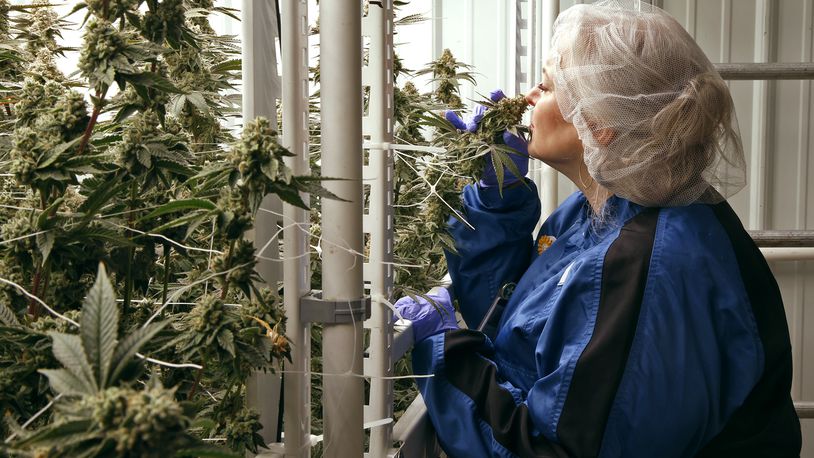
<point>437,28</point>
<point>261,89</point>
<point>797,322</point>
<point>341,88</point>
<point>471,59</point>
<point>294,46</point>
<point>379,363</point>
<point>535,167</point>
<point>549,197</point>
<point>518,24</point>
<point>761,113</point>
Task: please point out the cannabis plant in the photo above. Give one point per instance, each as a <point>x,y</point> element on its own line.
<point>143,176</point>
<point>101,410</point>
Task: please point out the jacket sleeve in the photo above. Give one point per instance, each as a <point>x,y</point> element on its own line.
<point>499,248</point>
<point>475,412</point>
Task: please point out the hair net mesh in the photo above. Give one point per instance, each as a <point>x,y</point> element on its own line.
<point>656,120</point>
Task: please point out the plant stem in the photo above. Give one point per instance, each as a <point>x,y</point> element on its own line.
<point>167,251</point>
<point>34,306</point>
<point>100,95</point>
<point>128,279</point>
<point>228,266</point>
<point>195,384</point>
<point>8,110</point>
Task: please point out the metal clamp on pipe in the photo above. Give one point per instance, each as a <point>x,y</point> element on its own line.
<point>314,309</point>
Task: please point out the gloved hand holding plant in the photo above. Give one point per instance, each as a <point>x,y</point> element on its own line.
<point>430,314</point>
<point>492,133</point>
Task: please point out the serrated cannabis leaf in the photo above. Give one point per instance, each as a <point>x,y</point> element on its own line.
<point>99,326</point>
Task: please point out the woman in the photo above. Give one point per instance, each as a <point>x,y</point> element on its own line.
<point>644,322</point>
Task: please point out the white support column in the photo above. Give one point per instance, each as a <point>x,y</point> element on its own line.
<point>762,102</point>
<point>437,28</point>
<point>521,46</point>
<point>296,275</point>
<point>342,237</point>
<point>261,89</point>
<point>378,75</point>
<point>548,177</point>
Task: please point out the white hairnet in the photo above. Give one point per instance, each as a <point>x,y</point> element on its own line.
<point>656,119</point>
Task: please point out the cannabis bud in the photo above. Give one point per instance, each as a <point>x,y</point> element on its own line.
<point>115,8</point>
<point>104,53</point>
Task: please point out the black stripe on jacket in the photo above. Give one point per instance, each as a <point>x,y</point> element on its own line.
<point>477,377</point>
<point>600,367</point>
<point>585,413</point>
<point>766,424</point>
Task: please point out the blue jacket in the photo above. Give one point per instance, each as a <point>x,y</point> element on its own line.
<point>653,332</point>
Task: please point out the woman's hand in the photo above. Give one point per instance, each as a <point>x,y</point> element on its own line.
<point>521,159</point>
<point>428,319</point>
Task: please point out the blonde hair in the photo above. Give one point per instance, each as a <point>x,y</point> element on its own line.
<point>640,76</point>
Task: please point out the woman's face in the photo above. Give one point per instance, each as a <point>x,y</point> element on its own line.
<point>553,140</point>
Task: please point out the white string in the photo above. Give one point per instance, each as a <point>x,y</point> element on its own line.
<point>34,417</point>
<point>318,249</point>
<point>50,310</point>
<point>432,190</point>
<point>164,363</point>
<point>168,240</point>
<point>177,293</point>
<point>3,242</point>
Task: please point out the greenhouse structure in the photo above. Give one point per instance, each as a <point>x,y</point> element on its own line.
<point>208,208</point>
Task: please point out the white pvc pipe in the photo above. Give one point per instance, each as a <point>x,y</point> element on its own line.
<point>761,114</point>
<point>296,277</point>
<point>341,101</point>
<point>549,190</point>
<point>379,76</point>
<point>788,254</point>
<point>261,88</point>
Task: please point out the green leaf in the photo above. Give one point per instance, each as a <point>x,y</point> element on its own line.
<point>177,205</point>
<point>227,341</point>
<point>228,12</point>
<point>64,382</point>
<point>131,344</point>
<point>68,350</point>
<point>67,145</point>
<point>270,168</point>
<point>177,104</point>
<point>47,215</point>
<point>309,185</point>
<point>45,242</point>
<point>99,197</point>
<point>288,194</point>
<point>143,157</point>
<point>174,167</point>
<point>53,433</point>
<point>153,80</point>
<point>234,65</point>
<point>197,99</point>
<point>100,323</point>
<point>100,233</point>
<point>498,165</point>
<point>7,316</point>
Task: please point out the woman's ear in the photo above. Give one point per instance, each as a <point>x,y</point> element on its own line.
<point>604,135</point>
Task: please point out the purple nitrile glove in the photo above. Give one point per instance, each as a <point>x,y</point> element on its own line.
<point>521,160</point>
<point>427,319</point>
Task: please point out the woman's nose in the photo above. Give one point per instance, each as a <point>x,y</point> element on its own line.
<point>532,95</point>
